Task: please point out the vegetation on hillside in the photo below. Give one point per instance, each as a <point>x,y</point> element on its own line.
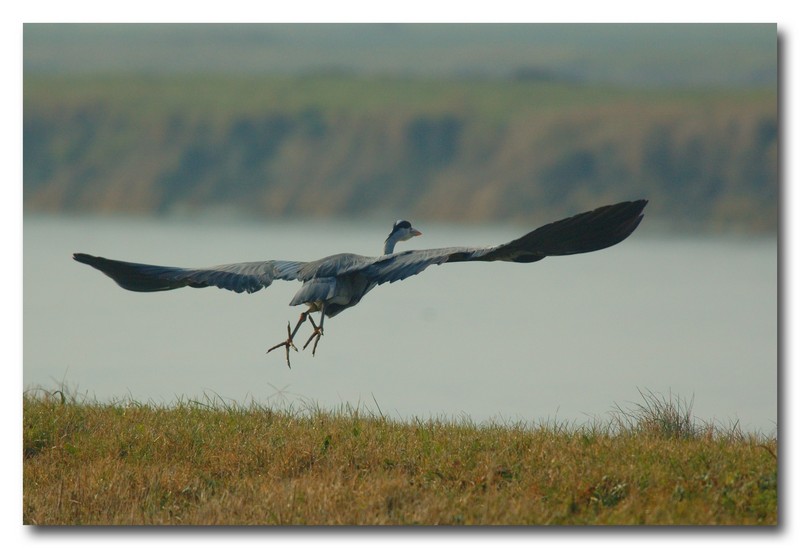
<point>208,462</point>
<point>454,150</point>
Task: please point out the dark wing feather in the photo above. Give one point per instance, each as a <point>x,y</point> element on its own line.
<point>590,231</point>
<point>239,277</point>
<point>582,233</point>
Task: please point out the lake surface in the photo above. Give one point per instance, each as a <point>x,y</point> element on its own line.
<point>563,339</point>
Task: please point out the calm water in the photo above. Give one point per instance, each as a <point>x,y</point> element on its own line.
<point>564,339</point>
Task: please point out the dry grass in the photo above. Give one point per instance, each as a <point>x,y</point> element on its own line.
<point>212,463</point>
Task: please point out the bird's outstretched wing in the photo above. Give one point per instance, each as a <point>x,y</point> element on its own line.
<point>239,277</point>
<point>582,233</point>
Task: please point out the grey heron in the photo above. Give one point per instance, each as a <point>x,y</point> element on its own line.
<point>335,283</point>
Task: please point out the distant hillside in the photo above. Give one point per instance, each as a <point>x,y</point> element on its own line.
<point>638,55</point>
<point>458,150</point>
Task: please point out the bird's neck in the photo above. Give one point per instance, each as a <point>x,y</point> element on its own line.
<point>388,246</point>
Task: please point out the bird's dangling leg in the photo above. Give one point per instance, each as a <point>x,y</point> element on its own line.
<point>317,331</point>
<point>290,341</point>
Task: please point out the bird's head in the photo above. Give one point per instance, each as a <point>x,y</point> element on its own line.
<point>401,231</point>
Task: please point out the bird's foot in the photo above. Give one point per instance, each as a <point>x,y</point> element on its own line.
<point>315,335</point>
<point>287,343</point>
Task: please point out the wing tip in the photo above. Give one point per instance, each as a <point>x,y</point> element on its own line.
<point>90,260</point>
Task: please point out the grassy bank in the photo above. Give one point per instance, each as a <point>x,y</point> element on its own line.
<point>211,463</point>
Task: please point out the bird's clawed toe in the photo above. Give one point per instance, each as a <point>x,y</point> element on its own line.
<point>287,343</point>
<point>315,335</point>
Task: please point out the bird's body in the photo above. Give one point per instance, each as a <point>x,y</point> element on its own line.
<point>323,287</point>
<point>333,284</point>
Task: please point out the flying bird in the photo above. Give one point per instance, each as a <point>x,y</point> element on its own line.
<point>335,283</point>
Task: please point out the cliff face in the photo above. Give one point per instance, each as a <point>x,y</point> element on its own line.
<point>446,150</point>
